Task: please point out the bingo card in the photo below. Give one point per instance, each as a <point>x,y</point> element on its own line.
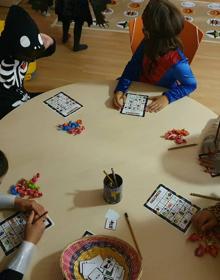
<point>63,104</point>
<point>173,208</point>
<point>12,230</point>
<point>135,105</point>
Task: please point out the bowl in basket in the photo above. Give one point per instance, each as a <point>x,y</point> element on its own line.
<point>105,246</point>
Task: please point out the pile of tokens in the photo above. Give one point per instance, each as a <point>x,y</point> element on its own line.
<point>27,188</point>
<point>72,127</point>
<point>177,135</point>
<point>208,243</point>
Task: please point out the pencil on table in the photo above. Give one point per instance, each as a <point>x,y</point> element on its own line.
<point>110,179</point>
<point>181,147</point>
<point>38,218</point>
<point>206,196</point>
<point>132,234</point>
<point>115,180</point>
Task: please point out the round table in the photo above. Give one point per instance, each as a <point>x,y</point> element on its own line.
<point>71,169</point>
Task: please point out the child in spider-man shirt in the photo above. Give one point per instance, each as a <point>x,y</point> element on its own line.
<point>20,43</point>
<point>159,59</point>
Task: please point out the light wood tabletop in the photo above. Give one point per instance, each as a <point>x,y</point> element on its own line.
<point>71,169</point>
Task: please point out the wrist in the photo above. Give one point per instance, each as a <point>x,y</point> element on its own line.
<point>119,93</point>
<point>215,210</point>
<point>17,202</point>
<point>167,97</point>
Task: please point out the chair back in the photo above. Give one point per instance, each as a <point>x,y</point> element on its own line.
<point>191,37</point>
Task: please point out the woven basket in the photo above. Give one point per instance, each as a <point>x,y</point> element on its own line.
<point>87,248</point>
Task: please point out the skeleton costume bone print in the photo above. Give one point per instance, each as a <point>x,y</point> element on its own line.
<point>12,75</point>
<point>20,43</point>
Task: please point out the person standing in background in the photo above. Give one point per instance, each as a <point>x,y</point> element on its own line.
<point>79,12</point>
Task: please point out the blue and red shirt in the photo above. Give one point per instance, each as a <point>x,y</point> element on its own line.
<point>171,71</point>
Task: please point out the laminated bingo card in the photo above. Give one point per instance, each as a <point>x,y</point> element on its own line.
<point>12,231</point>
<point>135,105</point>
<point>173,208</point>
<point>63,104</point>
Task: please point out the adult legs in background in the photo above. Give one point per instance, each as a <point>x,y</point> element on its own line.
<point>66,26</point>
<point>77,36</point>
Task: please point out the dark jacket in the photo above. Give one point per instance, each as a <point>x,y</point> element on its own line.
<point>76,10</point>
<point>9,274</point>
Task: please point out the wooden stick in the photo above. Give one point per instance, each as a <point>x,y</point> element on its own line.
<point>206,196</point>
<point>113,174</point>
<point>110,179</point>
<point>132,234</point>
<point>38,218</point>
<point>181,147</point>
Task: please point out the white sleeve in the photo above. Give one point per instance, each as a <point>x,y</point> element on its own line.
<point>7,201</point>
<point>22,259</point>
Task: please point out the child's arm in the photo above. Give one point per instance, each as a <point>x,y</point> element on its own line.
<point>21,261</point>
<point>132,70</point>
<point>186,82</point>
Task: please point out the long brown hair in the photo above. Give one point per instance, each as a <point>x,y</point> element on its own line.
<point>3,164</point>
<point>162,23</point>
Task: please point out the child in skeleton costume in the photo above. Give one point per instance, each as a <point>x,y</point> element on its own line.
<point>20,43</point>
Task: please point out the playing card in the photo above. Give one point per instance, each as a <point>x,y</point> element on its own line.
<point>96,261</point>
<point>110,224</point>
<point>96,274</point>
<point>108,264</point>
<point>112,215</point>
<point>87,268</point>
<point>110,272</point>
<point>118,270</point>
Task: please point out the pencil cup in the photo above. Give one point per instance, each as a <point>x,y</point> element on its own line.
<point>112,192</point>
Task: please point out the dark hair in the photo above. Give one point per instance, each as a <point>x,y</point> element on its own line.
<point>3,164</point>
<point>163,22</point>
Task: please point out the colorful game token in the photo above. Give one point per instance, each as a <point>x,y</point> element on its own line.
<point>208,243</point>
<point>71,127</point>
<point>177,135</point>
<point>27,188</point>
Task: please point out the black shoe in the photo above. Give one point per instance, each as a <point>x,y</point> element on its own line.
<point>80,48</point>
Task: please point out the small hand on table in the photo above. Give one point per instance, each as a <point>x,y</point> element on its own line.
<point>157,104</point>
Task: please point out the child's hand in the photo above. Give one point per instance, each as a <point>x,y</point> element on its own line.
<point>29,205</point>
<point>119,99</point>
<point>211,163</point>
<point>47,40</point>
<point>157,104</point>
<point>204,220</point>
<point>34,231</point>
<point>208,145</point>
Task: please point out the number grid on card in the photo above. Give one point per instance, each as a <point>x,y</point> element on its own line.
<point>63,104</point>
<point>135,105</point>
<point>173,208</point>
<point>12,231</point>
